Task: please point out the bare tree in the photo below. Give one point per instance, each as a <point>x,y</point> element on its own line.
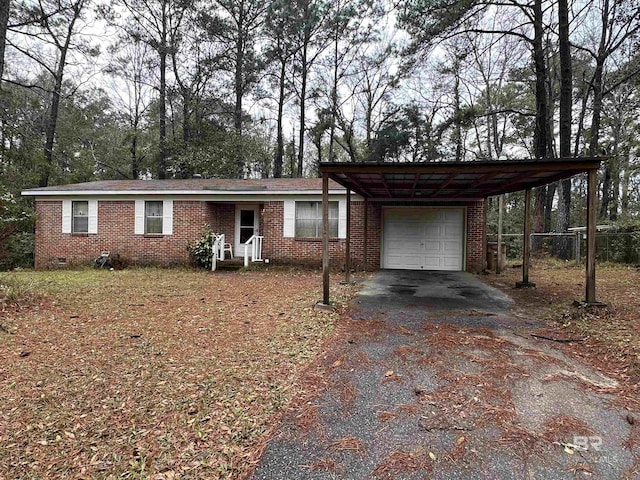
<point>156,23</point>
<point>376,80</point>
<point>281,28</point>
<point>236,26</point>
<point>5,6</point>
<point>350,25</point>
<point>47,33</point>
<point>312,39</point>
<point>130,69</point>
<point>618,26</point>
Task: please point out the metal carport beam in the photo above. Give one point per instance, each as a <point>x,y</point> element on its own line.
<point>526,174</point>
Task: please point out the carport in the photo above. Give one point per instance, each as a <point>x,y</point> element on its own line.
<point>448,183</point>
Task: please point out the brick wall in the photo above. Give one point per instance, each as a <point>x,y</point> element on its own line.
<point>293,250</point>
<point>222,219</point>
<point>116,234</point>
<point>475,237</point>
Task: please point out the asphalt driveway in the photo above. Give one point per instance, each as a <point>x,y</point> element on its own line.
<point>434,377</point>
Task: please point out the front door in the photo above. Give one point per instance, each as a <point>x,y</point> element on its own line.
<point>246,226</point>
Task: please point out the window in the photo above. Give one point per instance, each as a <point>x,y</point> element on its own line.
<point>309,219</point>
<point>80,217</point>
<point>153,217</point>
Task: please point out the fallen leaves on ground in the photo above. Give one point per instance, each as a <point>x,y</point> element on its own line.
<point>153,373</point>
<point>607,337</point>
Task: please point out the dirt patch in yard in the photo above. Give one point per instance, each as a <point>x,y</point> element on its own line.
<point>152,373</point>
<point>607,337</point>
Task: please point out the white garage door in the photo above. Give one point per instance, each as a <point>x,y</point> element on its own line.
<point>423,239</point>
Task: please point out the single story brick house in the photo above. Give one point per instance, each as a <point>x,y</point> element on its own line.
<point>151,221</point>
<point>420,216</point>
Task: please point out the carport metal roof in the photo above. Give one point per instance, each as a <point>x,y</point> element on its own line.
<point>451,181</point>
<point>435,182</point>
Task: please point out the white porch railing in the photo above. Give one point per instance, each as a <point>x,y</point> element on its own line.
<point>217,250</point>
<point>253,250</point>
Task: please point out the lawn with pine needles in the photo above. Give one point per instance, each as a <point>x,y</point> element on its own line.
<point>150,373</point>
<point>607,336</point>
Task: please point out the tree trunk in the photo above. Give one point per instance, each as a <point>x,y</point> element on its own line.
<point>541,141</point>
<point>538,215</point>
<point>162,120</point>
<point>334,97</point>
<point>186,118</point>
<point>624,203</point>
<point>548,206</point>
<point>596,84</point>
<point>134,156</point>
<point>162,107</point>
<point>277,161</point>
<point>615,197</point>
<point>303,95</point>
<point>4,21</point>
<point>583,112</point>
<point>318,145</point>
<point>52,120</point>
<point>606,190</point>
<point>614,167</point>
<point>566,80</point>
<point>369,124</point>
<point>239,92</point>
<point>458,126</point>
<point>292,157</point>
<point>562,244</point>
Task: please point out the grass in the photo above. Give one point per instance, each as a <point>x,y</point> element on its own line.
<point>610,335</point>
<point>16,291</point>
<point>151,373</point>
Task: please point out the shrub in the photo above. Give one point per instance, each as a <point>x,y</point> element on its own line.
<point>18,251</point>
<point>16,225</point>
<point>200,250</point>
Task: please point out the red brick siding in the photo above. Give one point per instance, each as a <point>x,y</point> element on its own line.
<point>116,234</point>
<point>475,237</point>
<point>222,219</point>
<point>371,258</point>
<point>293,250</point>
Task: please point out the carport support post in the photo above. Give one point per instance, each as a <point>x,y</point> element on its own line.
<point>347,246</point>
<point>591,238</point>
<point>366,233</point>
<point>325,238</point>
<point>526,245</point>
<point>485,242</point>
<point>499,259</point>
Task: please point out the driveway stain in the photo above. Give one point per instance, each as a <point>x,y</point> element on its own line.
<point>434,377</point>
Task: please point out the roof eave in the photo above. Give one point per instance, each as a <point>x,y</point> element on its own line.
<point>206,193</point>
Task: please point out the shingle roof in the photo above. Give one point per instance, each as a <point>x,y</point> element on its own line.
<point>195,185</point>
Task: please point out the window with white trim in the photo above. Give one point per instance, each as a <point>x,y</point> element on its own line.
<point>153,217</point>
<point>309,219</point>
<point>80,217</point>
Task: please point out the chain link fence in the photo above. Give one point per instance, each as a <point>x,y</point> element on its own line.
<point>618,247</point>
